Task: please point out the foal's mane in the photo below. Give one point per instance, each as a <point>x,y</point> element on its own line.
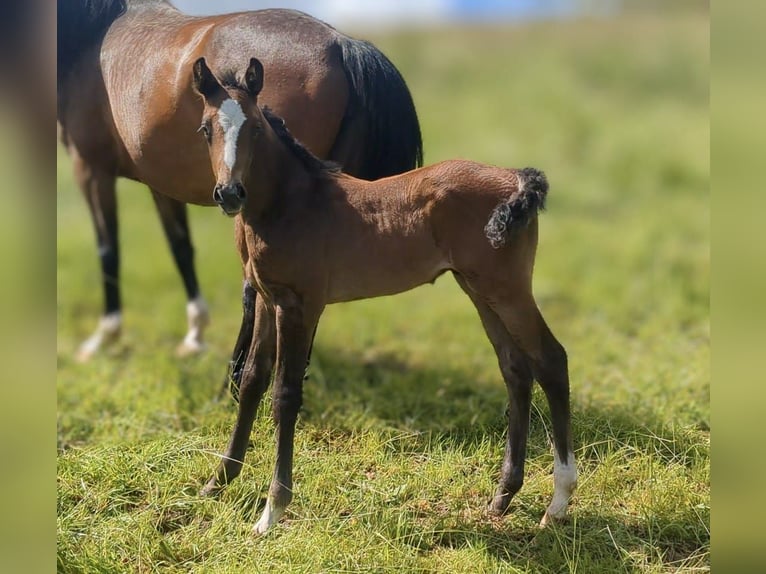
<point>229,80</point>
<point>311,162</point>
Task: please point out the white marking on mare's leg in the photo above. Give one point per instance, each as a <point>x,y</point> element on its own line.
<point>564,484</point>
<point>198,318</point>
<point>107,332</point>
<point>271,515</point>
<point>230,117</point>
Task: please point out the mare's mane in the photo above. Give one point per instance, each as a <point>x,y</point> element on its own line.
<point>80,24</point>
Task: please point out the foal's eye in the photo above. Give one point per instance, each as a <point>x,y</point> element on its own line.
<point>205,131</point>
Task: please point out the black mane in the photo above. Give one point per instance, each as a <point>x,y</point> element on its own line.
<point>80,24</point>
<point>311,162</point>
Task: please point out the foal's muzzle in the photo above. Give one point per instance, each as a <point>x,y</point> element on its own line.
<point>231,198</point>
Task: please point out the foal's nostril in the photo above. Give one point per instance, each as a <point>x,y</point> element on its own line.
<point>240,190</point>
<point>217,194</point>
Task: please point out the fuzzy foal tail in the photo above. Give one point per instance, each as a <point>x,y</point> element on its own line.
<point>517,212</point>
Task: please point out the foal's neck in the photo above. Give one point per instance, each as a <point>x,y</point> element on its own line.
<point>276,176</point>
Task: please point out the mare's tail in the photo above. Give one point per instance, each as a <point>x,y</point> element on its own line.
<point>80,24</point>
<point>518,211</point>
<point>380,133</point>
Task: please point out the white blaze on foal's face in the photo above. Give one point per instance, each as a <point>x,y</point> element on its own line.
<point>230,118</point>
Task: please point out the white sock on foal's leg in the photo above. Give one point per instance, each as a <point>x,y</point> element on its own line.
<point>198,318</point>
<point>271,515</point>
<point>564,484</point>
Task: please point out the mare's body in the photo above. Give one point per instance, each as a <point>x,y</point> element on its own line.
<point>127,109</point>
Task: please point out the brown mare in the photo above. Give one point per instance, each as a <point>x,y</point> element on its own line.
<point>309,236</point>
<point>126,108</point>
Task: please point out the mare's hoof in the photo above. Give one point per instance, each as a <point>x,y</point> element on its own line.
<point>190,348</point>
<point>549,519</point>
<point>107,333</point>
<point>85,353</point>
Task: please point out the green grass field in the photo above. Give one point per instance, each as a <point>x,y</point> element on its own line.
<point>400,441</point>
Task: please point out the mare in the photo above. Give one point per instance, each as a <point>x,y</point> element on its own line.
<point>126,108</point>
<point>309,235</point>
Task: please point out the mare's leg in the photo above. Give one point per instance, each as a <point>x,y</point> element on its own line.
<point>175,223</point>
<point>233,377</point>
<point>518,382</point>
<point>296,324</point>
<point>255,380</point>
<point>98,187</point>
<point>548,360</point>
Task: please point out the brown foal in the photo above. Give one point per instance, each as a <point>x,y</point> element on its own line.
<point>309,236</point>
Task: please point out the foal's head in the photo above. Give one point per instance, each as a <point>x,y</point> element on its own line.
<point>230,123</point>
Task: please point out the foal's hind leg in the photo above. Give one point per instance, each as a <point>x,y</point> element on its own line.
<point>98,187</point>
<point>518,382</point>
<point>173,215</point>
<point>548,361</point>
<point>256,376</point>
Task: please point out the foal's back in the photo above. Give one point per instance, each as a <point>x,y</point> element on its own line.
<point>388,236</point>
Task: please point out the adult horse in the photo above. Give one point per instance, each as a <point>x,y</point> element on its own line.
<point>126,108</point>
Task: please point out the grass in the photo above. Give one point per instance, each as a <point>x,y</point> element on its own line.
<point>401,437</point>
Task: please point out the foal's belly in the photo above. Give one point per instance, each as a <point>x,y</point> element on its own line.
<point>362,272</point>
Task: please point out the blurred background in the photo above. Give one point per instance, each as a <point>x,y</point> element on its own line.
<point>401,12</point>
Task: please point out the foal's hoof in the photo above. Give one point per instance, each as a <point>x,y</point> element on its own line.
<point>212,488</point>
<point>498,506</point>
<point>271,515</point>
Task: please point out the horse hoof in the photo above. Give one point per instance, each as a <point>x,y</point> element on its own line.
<point>210,489</point>
<point>271,515</point>
<point>549,519</point>
<point>498,506</point>
<point>190,348</point>
<point>85,353</point>
<point>107,333</point>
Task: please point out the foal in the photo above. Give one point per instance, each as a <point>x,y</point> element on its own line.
<point>309,236</point>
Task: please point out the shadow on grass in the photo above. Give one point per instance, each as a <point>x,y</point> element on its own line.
<point>603,542</point>
<point>345,391</point>
<point>451,406</point>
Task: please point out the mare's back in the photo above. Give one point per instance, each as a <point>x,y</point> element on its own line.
<point>270,32</point>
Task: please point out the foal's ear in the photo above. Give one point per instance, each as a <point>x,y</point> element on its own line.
<point>254,77</point>
<point>205,83</point>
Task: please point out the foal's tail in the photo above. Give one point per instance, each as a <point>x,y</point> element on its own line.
<point>380,131</point>
<point>517,212</point>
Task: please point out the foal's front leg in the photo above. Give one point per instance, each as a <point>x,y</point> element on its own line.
<point>296,323</point>
<point>255,379</point>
